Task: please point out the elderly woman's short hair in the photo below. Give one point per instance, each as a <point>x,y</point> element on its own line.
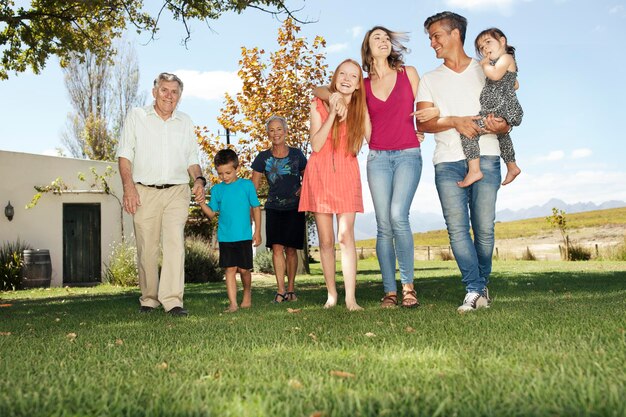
<point>279,118</point>
<point>166,76</point>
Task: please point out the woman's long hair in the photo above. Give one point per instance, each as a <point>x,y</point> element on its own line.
<point>357,109</point>
<point>395,58</point>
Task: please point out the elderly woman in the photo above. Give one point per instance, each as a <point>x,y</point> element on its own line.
<point>283,167</point>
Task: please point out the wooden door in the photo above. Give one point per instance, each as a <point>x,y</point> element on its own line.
<point>81,243</point>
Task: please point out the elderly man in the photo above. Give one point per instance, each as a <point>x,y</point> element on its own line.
<point>157,154</point>
<point>455,89</point>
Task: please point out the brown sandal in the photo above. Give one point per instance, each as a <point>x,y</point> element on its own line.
<point>409,299</point>
<point>389,301</point>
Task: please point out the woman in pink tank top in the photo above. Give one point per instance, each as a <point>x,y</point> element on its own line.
<point>394,161</point>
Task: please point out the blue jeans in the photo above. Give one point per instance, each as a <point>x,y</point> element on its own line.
<point>393,177</point>
<point>475,204</point>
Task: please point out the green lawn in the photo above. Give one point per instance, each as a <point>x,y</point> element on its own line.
<point>553,344</point>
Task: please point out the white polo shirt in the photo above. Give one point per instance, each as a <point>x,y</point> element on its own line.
<point>455,95</point>
<point>160,150</point>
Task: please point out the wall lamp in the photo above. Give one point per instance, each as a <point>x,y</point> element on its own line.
<point>9,211</point>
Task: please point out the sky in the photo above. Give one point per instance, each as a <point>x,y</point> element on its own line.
<point>570,145</point>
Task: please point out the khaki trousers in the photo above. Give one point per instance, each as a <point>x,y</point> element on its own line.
<point>160,222</point>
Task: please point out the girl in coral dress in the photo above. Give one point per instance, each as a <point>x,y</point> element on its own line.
<point>332,181</point>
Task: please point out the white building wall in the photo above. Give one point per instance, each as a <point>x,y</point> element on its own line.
<point>42,226</point>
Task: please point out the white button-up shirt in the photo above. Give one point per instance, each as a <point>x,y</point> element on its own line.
<point>160,151</point>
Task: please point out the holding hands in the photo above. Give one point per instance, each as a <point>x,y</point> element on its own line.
<point>338,106</point>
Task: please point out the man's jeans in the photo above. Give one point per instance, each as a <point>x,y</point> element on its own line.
<point>393,177</point>
<point>472,257</point>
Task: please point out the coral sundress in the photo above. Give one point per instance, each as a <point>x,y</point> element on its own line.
<point>332,179</point>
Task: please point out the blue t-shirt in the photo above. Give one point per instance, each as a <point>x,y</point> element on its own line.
<point>233,202</point>
<point>283,177</point>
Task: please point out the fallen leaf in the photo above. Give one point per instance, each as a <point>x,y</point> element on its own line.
<point>370,334</point>
<point>5,333</point>
<point>317,414</point>
<point>342,374</point>
<point>71,336</point>
<point>57,319</point>
<point>409,329</point>
<point>217,375</point>
<point>294,310</point>
<point>5,305</point>
<point>295,384</point>
<point>162,366</point>
<point>119,342</point>
<point>312,336</point>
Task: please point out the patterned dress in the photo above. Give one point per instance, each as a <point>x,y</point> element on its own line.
<point>332,179</point>
<point>498,97</point>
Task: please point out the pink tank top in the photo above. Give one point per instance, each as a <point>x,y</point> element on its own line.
<point>392,124</point>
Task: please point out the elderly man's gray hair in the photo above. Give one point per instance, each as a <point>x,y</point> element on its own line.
<point>279,118</point>
<point>166,76</point>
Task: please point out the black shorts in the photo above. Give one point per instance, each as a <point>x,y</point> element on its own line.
<point>284,228</point>
<point>237,254</point>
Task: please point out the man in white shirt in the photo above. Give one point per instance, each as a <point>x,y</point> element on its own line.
<point>157,154</point>
<point>455,89</point>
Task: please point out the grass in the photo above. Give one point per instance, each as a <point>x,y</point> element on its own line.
<point>553,344</point>
<point>523,228</point>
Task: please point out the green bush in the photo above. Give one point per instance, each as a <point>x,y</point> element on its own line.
<point>11,263</point>
<point>201,263</point>
<point>263,262</point>
<point>122,267</point>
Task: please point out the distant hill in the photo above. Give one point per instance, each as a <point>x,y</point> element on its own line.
<point>546,209</point>
<point>365,225</point>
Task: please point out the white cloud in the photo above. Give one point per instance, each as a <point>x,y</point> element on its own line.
<point>209,85</point>
<point>582,186</point>
<point>336,47</point>
<point>552,156</point>
<point>619,9</point>
<point>581,153</point>
<point>356,31</point>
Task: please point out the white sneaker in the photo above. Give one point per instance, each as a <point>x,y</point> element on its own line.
<point>473,301</point>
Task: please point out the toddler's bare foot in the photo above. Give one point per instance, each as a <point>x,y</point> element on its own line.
<point>231,309</point>
<point>511,174</point>
<point>331,301</point>
<point>353,306</point>
<point>470,179</point>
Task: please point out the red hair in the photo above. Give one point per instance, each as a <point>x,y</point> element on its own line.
<point>357,110</point>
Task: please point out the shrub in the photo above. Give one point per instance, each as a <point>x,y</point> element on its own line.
<point>579,253</point>
<point>201,263</point>
<point>263,262</point>
<point>528,255</point>
<point>446,255</point>
<point>122,266</point>
<point>615,253</point>
<point>11,263</point>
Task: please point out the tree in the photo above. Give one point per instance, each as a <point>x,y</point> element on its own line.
<point>558,220</point>
<point>282,87</point>
<point>64,28</point>
<point>101,95</point>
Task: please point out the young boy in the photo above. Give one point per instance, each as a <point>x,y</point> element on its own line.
<point>232,199</point>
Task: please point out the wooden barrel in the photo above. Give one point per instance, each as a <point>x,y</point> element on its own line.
<point>37,270</point>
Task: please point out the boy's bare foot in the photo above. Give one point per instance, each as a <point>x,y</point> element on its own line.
<point>470,178</point>
<point>231,309</point>
<point>331,301</point>
<point>246,302</point>
<point>511,173</point>
<point>246,305</point>
<point>353,306</point>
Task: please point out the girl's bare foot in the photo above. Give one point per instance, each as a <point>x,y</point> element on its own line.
<point>470,178</point>
<point>353,306</point>
<point>331,301</point>
<point>231,309</point>
<point>511,174</point>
